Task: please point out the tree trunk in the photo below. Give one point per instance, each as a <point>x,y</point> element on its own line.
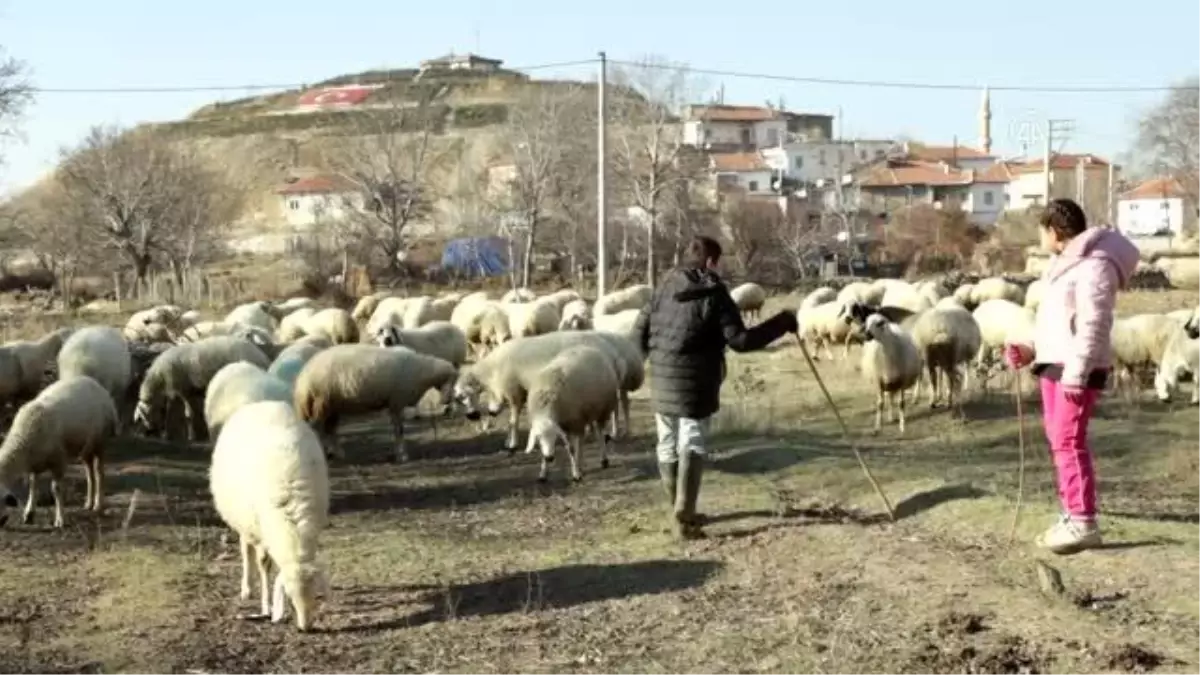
<point>527,263</point>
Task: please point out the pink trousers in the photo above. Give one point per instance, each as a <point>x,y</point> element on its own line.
<point>1066,429</point>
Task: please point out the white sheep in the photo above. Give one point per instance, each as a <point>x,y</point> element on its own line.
<point>388,311</point>
<point>633,297</point>
<point>518,295</point>
<point>235,385</point>
<point>468,316</point>
<point>494,327</point>
<point>892,363</point>
<point>182,373</point>
<point>906,296</point>
<point>270,484</point>
<point>994,288</point>
<point>361,378</point>
<point>825,325</point>
<point>949,301</point>
<point>290,305</point>
<point>620,323</point>
<point>749,298</point>
<point>436,338</point>
<point>527,319</point>
<point>861,291</point>
<point>260,314</point>
<point>35,356</point>
<point>1182,356</point>
<point>576,315</point>
<point>150,332</point>
<point>289,362</point>
<point>418,312</point>
<point>933,290</point>
<point>71,419</point>
<point>576,391</point>
<point>964,295</point>
<point>1000,322</point>
<point>946,338</point>
<point>1140,341</point>
<point>292,326</point>
<point>100,353</point>
<point>820,296</point>
<point>442,308</point>
<point>630,364</point>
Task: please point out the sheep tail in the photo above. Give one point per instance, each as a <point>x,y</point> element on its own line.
<point>310,406</point>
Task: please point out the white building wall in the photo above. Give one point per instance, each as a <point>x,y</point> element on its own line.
<point>305,210</point>
<point>754,182</point>
<point>985,202</point>
<point>759,134</point>
<point>1146,217</point>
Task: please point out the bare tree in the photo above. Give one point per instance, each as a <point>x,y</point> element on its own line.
<point>15,93</point>
<point>753,227</point>
<point>137,193</point>
<point>390,160</point>
<point>1169,136</point>
<point>542,140</point>
<point>800,238</point>
<point>648,144</point>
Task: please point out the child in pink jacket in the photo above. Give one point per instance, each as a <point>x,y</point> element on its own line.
<point>1072,356</point>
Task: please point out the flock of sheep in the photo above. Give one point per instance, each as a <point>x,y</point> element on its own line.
<point>270,382</point>
<point>928,331</point>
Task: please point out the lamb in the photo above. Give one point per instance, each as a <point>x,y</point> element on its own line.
<point>945,338</point>
<point>270,484</point>
<point>1033,295</point>
<point>35,356</point>
<point>292,327</point>
<point>334,324</point>
<point>576,391</point>
<point>1182,356</point>
<point>820,296</point>
<point>993,288</point>
<point>235,385</point>
<point>366,305</point>
<point>750,298</point>
<point>1140,341</point>
<point>527,319</point>
<point>633,297</point>
<point>563,298</point>
<point>260,314</point>
<point>361,378</point>
<point>621,323</point>
<point>891,362</point>
<point>183,373</point>
<point>71,419</point>
<point>436,338</point>
<point>906,296</point>
<point>100,353</point>
<point>288,364</point>
<point>1000,322</point>
<point>518,295</point>
<point>576,315</point>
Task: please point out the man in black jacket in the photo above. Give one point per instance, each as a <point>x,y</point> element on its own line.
<point>685,328</point>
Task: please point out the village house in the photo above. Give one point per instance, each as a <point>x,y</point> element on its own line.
<point>1086,178</point>
<point>318,199</point>
<point>1156,207</point>
<point>745,170</point>
<point>471,62</point>
<point>739,128</point>
<point>903,182</point>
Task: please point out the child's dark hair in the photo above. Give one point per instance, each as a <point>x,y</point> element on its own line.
<point>700,249</point>
<point>1064,217</point>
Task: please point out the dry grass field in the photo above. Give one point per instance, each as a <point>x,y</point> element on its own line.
<point>459,561</point>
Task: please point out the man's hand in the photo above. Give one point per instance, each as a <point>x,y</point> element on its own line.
<point>1017,356</point>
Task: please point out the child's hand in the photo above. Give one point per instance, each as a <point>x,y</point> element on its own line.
<point>1017,356</point>
<point>1073,395</point>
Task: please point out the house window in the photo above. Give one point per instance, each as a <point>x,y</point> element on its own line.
<point>862,155</point>
<point>772,136</point>
<point>821,158</point>
<point>754,186</point>
<point>1165,206</point>
<point>1133,207</point>
<point>294,204</point>
<point>988,199</point>
<point>880,154</point>
<point>799,163</point>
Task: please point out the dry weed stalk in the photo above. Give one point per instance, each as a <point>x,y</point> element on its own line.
<point>846,430</point>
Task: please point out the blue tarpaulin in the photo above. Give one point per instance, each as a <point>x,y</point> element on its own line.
<point>482,256</point>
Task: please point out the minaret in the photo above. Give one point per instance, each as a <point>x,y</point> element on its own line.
<point>985,123</point>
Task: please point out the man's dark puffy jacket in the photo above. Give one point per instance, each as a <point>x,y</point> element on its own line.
<point>685,328</point>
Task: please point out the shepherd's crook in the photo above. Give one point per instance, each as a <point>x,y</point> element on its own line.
<point>1012,531</point>
<point>846,430</point>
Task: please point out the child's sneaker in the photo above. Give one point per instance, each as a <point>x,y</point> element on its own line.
<point>1070,535</point>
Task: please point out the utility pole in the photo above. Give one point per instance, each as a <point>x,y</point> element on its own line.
<point>1056,129</point>
<point>601,193</point>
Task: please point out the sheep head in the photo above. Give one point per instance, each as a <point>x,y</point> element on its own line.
<point>467,391</point>
<point>545,434</point>
<point>388,336</point>
<point>875,326</point>
<point>306,585</point>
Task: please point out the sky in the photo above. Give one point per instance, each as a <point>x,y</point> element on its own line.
<point>216,43</point>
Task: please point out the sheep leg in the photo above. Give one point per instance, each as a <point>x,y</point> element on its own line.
<point>56,492</point>
<point>279,602</point>
<point>573,452</point>
<point>605,441</point>
<point>901,402</point>
<point>27,515</point>
<point>398,431</point>
<point>933,386</point>
<point>264,583</point>
<point>87,475</point>
<point>245,547</point>
<point>514,418</point>
<point>98,481</point>
<point>879,410</point>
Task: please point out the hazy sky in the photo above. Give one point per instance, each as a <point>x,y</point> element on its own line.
<point>132,43</point>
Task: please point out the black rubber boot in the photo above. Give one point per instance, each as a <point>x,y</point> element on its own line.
<point>687,521</point>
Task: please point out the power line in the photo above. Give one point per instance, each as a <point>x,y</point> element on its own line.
<point>902,85</point>
<point>246,87</point>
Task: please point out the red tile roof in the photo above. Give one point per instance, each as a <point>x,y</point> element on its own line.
<point>335,96</point>
<point>1000,172</point>
<point>943,153</point>
<point>316,185</point>
<point>1058,162</point>
<point>732,113</point>
<point>1156,188</point>
<point>913,172</point>
<point>738,162</point>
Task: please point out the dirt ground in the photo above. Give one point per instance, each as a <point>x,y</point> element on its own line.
<point>459,561</point>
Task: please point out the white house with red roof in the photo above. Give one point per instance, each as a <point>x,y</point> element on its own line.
<point>745,170</point>
<point>1156,207</point>
<point>316,199</point>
